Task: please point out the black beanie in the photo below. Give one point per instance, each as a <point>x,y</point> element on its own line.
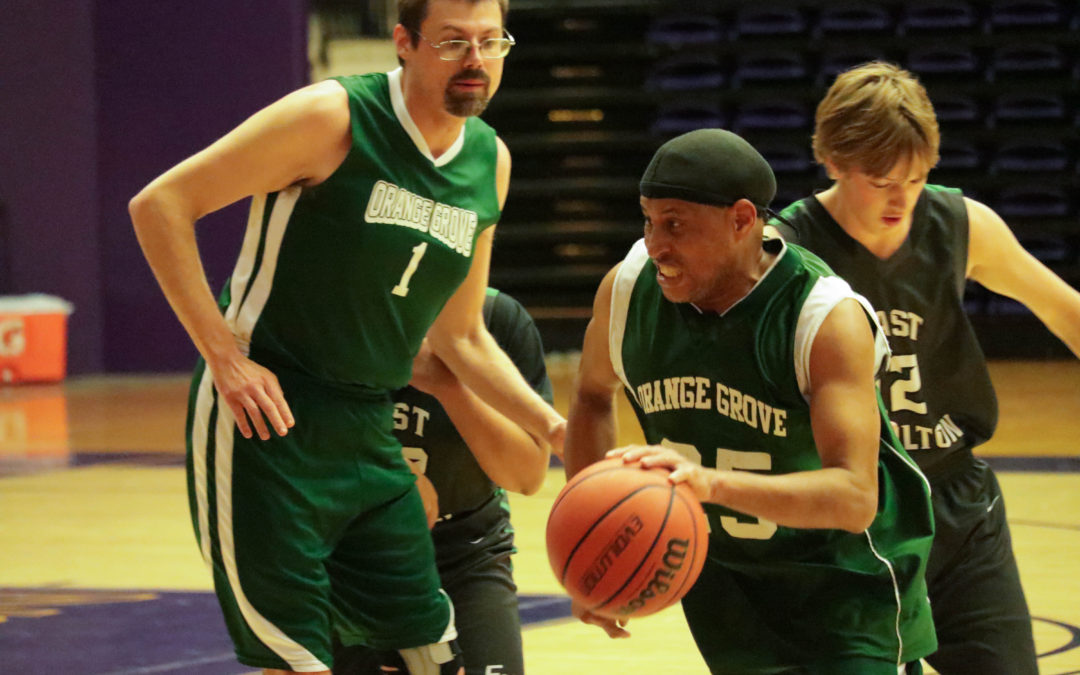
<point>709,166</point>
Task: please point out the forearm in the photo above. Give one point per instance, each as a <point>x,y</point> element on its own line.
<point>509,456</point>
<point>590,430</point>
<point>826,498</point>
<point>168,241</point>
<point>478,362</point>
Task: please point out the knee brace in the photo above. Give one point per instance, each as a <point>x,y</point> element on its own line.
<point>441,658</point>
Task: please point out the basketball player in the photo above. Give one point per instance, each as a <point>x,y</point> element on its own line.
<point>374,198</point>
<point>751,369</point>
<point>472,456</point>
<point>909,247</point>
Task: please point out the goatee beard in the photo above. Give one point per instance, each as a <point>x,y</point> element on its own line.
<point>467,104</point>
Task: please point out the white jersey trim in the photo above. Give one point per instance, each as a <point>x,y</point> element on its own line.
<point>397,99</point>
<point>200,426</point>
<point>244,312</point>
<point>896,595</point>
<point>621,290</point>
<point>823,298</point>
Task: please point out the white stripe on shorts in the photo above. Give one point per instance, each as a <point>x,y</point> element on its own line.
<point>241,315</point>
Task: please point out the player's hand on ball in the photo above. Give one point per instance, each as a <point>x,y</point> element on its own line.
<point>682,469</point>
<point>614,628</point>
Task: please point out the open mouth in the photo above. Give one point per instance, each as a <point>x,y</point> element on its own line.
<point>667,273</point>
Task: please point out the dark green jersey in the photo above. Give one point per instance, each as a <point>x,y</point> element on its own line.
<point>341,281</point>
<point>429,437</point>
<point>731,391</point>
<point>937,388</point>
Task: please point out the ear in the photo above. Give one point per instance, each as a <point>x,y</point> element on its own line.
<point>744,217</point>
<point>402,41</point>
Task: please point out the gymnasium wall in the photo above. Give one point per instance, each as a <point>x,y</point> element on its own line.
<point>97,99</point>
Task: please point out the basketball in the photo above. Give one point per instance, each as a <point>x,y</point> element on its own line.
<point>623,541</point>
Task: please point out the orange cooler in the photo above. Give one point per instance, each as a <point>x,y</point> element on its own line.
<point>33,338</point>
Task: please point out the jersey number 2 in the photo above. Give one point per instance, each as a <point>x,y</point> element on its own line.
<point>901,387</point>
<point>402,287</point>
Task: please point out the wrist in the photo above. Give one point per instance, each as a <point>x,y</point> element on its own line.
<point>220,353</point>
<point>716,486</point>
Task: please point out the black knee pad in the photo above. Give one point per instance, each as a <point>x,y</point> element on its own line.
<point>442,658</point>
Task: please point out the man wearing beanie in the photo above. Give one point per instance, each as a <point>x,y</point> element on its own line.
<point>751,368</point>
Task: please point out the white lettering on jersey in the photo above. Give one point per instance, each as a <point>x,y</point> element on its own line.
<point>899,323</point>
<point>391,205</point>
<point>693,393</point>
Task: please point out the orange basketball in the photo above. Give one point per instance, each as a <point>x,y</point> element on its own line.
<point>623,541</point>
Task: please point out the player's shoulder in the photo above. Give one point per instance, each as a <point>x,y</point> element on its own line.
<point>361,84</point>
<point>501,307</point>
<point>944,198</point>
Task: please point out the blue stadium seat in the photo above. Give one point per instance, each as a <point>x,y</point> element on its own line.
<point>786,157</point>
<point>1006,14</point>
<point>770,66</point>
<point>1027,58</point>
<point>1033,200</point>
<point>937,16</point>
<point>771,114</point>
<point>769,21</point>
<point>686,71</point>
<point>957,109</point>
<point>940,60</point>
<point>1048,251</point>
<point>959,155</point>
<point>679,118</point>
<point>675,30</point>
<point>855,18</point>
<point>1031,155</point>
<point>1029,107</point>
<point>836,61</point>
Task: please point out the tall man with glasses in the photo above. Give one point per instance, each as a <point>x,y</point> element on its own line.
<point>373,204</point>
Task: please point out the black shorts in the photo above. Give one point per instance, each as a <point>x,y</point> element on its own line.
<point>473,553</point>
<point>982,618</point>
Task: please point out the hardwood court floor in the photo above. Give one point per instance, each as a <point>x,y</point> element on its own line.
<point>97,555</point>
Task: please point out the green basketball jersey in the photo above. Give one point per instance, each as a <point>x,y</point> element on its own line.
<point>731,391</point>
<point>937,389</point>
<point>341,281</point>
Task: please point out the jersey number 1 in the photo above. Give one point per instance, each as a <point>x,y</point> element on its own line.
<point>402,287</point>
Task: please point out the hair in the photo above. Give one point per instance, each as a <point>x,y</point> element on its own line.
<point>411,13</point>
<point>873,117</point>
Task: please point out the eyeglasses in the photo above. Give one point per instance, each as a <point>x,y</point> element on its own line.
<point>455,50</point>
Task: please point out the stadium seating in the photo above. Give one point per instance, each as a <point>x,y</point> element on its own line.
<point>594,86</point>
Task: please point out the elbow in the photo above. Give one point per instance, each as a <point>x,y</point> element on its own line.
<point>529,481</point>
<point>146,208</point>
<point>138,206</point>
<point>861,512</point>
<point>534,480</point>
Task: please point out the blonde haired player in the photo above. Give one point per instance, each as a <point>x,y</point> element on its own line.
<point>909,247</point>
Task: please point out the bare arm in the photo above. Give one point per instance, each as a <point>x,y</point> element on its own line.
<point>998,261</point>
<point>299,139</point>
<point>461,340</point>
<point>846,423</point>
<point>590,428</point>
<point>507,453</point>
